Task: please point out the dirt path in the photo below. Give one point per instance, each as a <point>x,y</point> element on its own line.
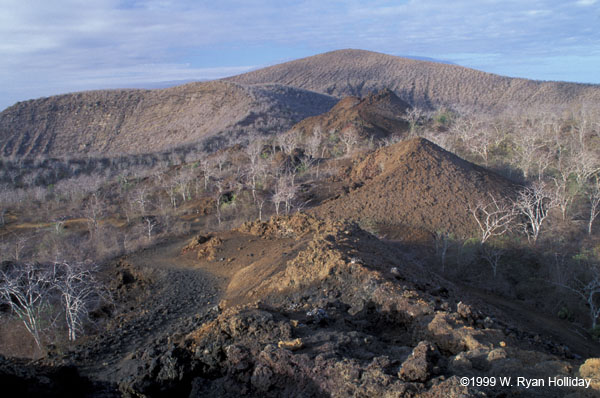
<point>179,298</point>
<point>559,331</point>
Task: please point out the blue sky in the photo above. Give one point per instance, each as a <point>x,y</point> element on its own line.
<point>59,46</point>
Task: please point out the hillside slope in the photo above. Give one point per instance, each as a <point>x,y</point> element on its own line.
<point>376,115</point>
<point>415,187</point>
<point>135,121</point>
<point>357,72</point>
<point>268,100</point>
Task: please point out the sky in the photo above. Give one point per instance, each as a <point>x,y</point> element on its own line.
<point>61,46</point>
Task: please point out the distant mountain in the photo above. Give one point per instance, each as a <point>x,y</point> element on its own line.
<point>358,73</point>
<point>269,100</point>
<point>135,121</point>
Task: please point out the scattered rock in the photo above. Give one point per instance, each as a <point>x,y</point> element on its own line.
<point>317,315</point>
<point>195,243</point>
<point>209,249</point>
<point>496,354</point>
<point>488,322</point>
<point>262,378</point>
<point>460,363</point>
<point>291,345</point>
<point>421,364</point>
<point>591,370</point>
<point>465,311</point>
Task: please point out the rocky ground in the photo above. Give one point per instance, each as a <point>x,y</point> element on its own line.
<point>298,306</point>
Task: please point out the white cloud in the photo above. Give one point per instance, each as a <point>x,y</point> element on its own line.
<point>70,43</point>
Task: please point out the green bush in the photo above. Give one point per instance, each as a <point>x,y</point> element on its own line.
<point>565,313</point>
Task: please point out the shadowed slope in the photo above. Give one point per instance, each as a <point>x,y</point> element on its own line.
<point>379,115</point>
<point>135,121</point>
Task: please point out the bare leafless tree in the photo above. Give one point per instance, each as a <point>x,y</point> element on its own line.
<point>464,128</point>
<point>534,202</point>
<point>277,199</point>
<point>285,192</point>
<point>479,135</point>
<point>494,217</point>
<point>588,289</point>
<point>313,149</point>
<point>26,288</point>
<point>93,212</point>
<point>481,145</point>
<point>170,189</point>
<point>564,188</point>
<point>165,213</point>
<point>221,159</point>
<point>260,202</point>
<point>593,195</point>
<point>586,164</point>
<point>442,244</point>
<point>350,138</point>
<point>207,168</point>
<point>544,159</point>
<point>140,198</point>
<point>253,173</point>
<point>492,256</point>
<point>563,195</point>
<point>583,120</point>
<point>19,243</point>
<point>528,146</point>
<point>150,225</point>
<point>289,141</point>
<point>559,270</point>
<point>413,117</point>
<point>314,142</point>
<point>183,181</point>
<point>254,148</point>
<point>79,289</point>
<point>220,191</point>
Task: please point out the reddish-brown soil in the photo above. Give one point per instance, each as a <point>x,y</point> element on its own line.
<point>414,189</point>
<point>377,115</point>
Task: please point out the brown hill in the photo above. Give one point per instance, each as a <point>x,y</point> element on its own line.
<point>415,186</point>
<point>357,72</point>
<point>379,114</point>
<point>135,121</point>
<point>267,100</point>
